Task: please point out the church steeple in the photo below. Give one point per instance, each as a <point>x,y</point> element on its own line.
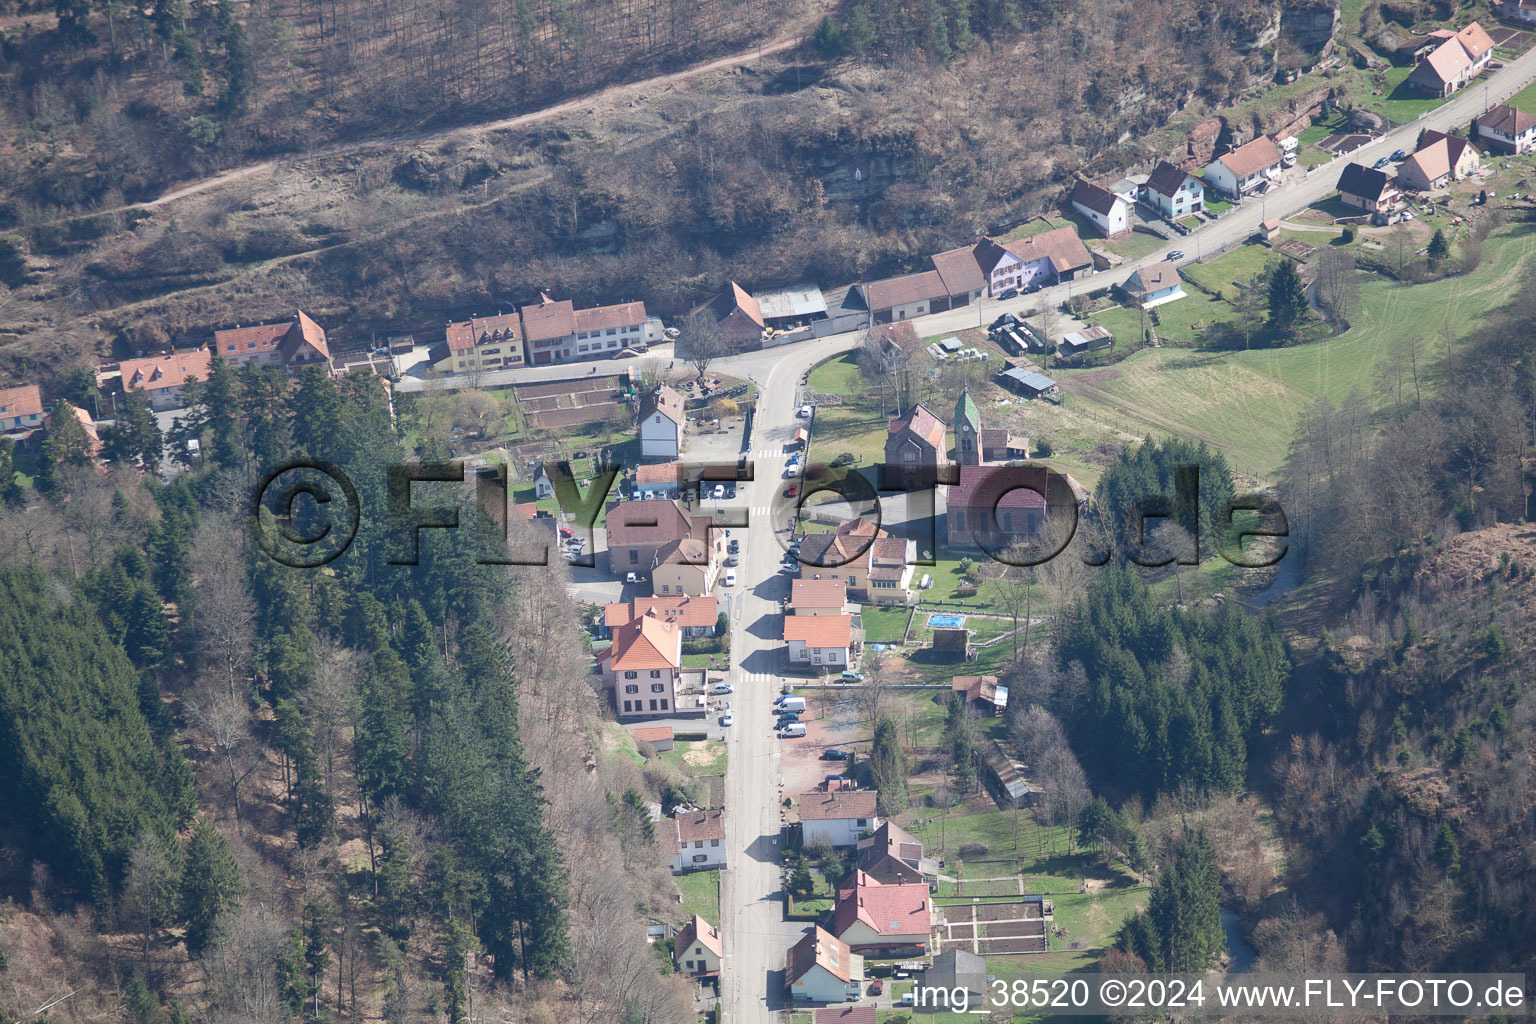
<point>967,429</point>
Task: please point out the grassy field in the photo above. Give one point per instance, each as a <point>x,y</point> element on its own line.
<point>701,895</point>
<point>1400,101</point>
<point>1525,99</point>
<point>1247,403</point>
<point>1180,323</point>
<point>1034,227</point>
<point>1223,274</point>
<point>884,625</point>
<point>697,757</point>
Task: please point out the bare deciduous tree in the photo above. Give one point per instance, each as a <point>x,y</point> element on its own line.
<point>224,719</point>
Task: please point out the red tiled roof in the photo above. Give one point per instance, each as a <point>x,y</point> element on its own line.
<point>818,948</point>
<point>1156,277</point>
<point>657,473</point>
<point>702,931</point>
<point>1060,246</point>
<point>464,335</point>
<point>1250,157</point>
<point>26,400</point>
<point>958,271</point>
<point>1446,61</point>
<point>982,486</point>
<point>817,593</point>
<point>888,909</point>
<point>651,733</point>
<point>654,521</point>
<point>170,371</point>
<point>665,401</point>
<point>1475,40</point>
<point>921,422</point>
<point>821,631</point>
<point>846,1015</point>
<point>899,291</point>
<point>685,612</point>
<point>646,643</point>
<point>687,551</point>
<point>287,335</point>
<point>835,806</point>
<point>975,687</point>
<point>848,543</point>
<point>548,319</point>
<point>622,314</point>
<point>694,826</point>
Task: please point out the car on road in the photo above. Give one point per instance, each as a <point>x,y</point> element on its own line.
<point>1008,293</point>
<point>804,412</point>
<point>850,676</point>
<point>734,547</point>
<point>727,719</point>
<point>789,471</point>
<point>730,577</point>
<point>1397,154</point>
<point>671,333</point>
<point>1176,254</point>
<point>1379,164</point>
<point>833,754</point>
<point>876,987</point>
<point>722,688</point>
<point>791,490</point>
<point>732,560</point>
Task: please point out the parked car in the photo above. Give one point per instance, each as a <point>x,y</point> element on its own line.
<point>791,490</point>
<point>1176,254</point>
<point>671,332</point>
<point>730,577</point>
<point>1008,293</point>
<point>876,987</point>
<point>804,412</point>
<point>1397,154</point>
<point>850,676</point>
<point>793,731</point>
<point>631,577</point>
<point>789,471</point>
<point>719,491</point>
<point>1379,164</point>
<point>732,560</point>
<point>727,719</point>
<point>722,688</point>
<point>833,754</point>
<point>734,547</point>
<point>787,718</point>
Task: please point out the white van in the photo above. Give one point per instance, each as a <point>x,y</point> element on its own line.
<point>792,731</point>
<point>795,704</point>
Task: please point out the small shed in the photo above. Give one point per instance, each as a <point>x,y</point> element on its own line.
<point>658,736</point>
<point>1026,382</point>
<point>1089,339</point>
<point>1004,778</point>
<point>801,437</point>
<point>952,644</point>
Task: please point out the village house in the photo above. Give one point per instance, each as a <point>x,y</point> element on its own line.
<point>696,617</point>
<point>904,297</point>
<point>876,567</point>
<point>883,920</point>
<point>642,665</point>
<point>1047,258</point>
<point>164,378</point>
<point>890,570</point>
<point>662,422</point>
<point>840,817</point>
<point>1249,168</point>
<point>21,409</point>
<point>961,278</point>
<point>819,641</point>
<point>656,481</point>
<point>1368,189</point>
<point>1173,191</point>
<point>543,486</point>
<point>479,343</point>
<point>955,971</point>
<point>848,1015</point>
<point>93,443</point>
<point>737,317</point>
<point>982,693</point>
<point>686,566</point>
<point>975,444</point>
<point>695,840</point>
<point>1439,160</point>
<point>1154,285</point>
<point>558,332</point>
<point>1506,128</point>
<point>818,597</point>
<point>699,949</point>
<point>820,969</point>
<point>636,530</point>
<point>1456,59</point>
<point>660,738</point>
<point>995,507</point>
<point>1090,339</point>
<point>893,857</point>
<point>1520,10</point>
<point>290,344</point>
<point>914,442</point>
<point>1103,208</point>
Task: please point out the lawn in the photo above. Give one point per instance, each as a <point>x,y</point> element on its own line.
<point>1132,246</point>
<point>701,895</point>
<point>1180,323</point>
<point>1400,101</point>
<point>697,757</point>
<point>1124,323</point>
<point>1222,274</point>
<point>1218,206</point>
<point>1034,227</point>
<point>884,625</point>
<point>1247,403</point>
<point>1525,99</point>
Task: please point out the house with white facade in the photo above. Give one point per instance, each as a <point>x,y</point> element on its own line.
<point>819,641</point>
<point>699,949</point>
<point>1103,208</point>
<point>1249,168</point>
<point>164,378</point>
<point>1173,191</point>
<point>291,344</point>
<point>642,665</point>
<point>1507,129</point>
<point>695,839</point>
<point>883,920</point>
<point>695,616</point>
<point>558,332</point>
<point>821,969</point>
<point>840,817</point>
<point>1154,285</point>
<point>1456,59</point>
<point>21,409</point>
<point>662,422</point>
<point>1035,260</point>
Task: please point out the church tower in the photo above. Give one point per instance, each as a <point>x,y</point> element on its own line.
<point>967,430</point>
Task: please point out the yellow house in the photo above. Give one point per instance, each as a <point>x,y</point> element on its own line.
<point>699,949</point>
<point>685,567</point>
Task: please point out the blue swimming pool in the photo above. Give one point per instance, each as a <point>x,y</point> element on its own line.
<point>946,621</point>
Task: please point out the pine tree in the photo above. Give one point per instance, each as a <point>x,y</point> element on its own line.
<point>211,884</point>
<point>888,768</point>
<point>1438,248</point>
<point>1287,297</point>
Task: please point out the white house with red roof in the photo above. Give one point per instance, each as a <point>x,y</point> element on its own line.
<point>695,616</point>
<point>164,378</point>
<point>1044,258</point>
<point>840,816</point>
<point>822,969</point>
<point>558,332</point>
<point>695,840</point>
<point>819,641</point>
<point>291,344</point>
<point>699,949</point>
<point>662,422</point>
<point>1456,58</point>
<point>883,920</point>
<point>642,665</point>
<point>21,409</point>
<point>1246,169</point>
<point>656,481</point>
